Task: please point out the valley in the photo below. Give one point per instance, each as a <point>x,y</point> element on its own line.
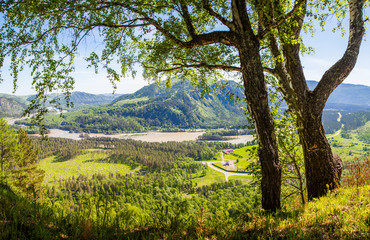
<point>104,165</point>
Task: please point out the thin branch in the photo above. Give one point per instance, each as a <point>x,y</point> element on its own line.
<point>276,24</point>
<point>213,13</point>
<point>225,37</point>
<point>271,71</point>
<point>200,65</point>
<point>189,24</point>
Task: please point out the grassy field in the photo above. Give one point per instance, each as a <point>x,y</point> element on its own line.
<point>242,156</point>
<point>212,176</point>
<point>245,179</point>
<point>92,162</point>
<point>88,163</point>
<point>349,148</point>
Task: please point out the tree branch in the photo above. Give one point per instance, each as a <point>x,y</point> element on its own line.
<point>209,9</point>
<point>271,71</point>
<point>200,65</point>
<point>185,14</point>
<point>282,20</point>
<point>225,37</point>
<point>343,67</point>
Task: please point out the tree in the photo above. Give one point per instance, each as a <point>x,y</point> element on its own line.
<point>198,40</point>
<point>18,161</point>
<point>26,176</point>
<point>8,148</point>
<point>283,42</point>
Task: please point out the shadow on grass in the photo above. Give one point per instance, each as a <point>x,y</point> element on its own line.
<point>60,158</point>
<point>114,160</point>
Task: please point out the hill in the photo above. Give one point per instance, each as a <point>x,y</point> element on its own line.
<point>82,99</point>
<point>156,107</point>
<point>11,106</point>
<point>347,97</point>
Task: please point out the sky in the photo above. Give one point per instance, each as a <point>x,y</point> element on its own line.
<point>329,47</point>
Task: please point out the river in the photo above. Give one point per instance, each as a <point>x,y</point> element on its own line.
<point>151,136</point>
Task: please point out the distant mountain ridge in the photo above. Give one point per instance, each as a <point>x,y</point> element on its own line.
<point>347,97</point>
<point>154,107</point>
<point>81,98</point>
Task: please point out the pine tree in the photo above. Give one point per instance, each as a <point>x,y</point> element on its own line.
<point>26,176</point>
<point>9,148</point>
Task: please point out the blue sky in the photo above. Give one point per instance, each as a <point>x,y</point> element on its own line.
<point>329,47</point>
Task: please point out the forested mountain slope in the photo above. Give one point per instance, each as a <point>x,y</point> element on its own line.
<point>11,106</point>
<point>154,107</point>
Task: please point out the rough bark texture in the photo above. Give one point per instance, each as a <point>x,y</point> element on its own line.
<point>321,173</point>
<point>257,100</point>
<point>321,169</point>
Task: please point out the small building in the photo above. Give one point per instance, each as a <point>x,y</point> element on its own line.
<point>227,151</point>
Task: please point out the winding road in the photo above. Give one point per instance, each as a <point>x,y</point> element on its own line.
<point>340,130</point>
<point>226,173</point>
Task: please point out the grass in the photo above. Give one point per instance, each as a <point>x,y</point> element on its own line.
<point>87,163</point>
<point>344,214</point>
<point>212,176</point>
<point>218,165</point>
<point>351,147</point>
<point>246,179</point>
<point>242,156</point>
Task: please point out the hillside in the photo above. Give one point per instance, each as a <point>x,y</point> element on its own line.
<point>82,99</point>
<point>347,97</point>
<point>11,107</point>
<point>155,107</point>
<point>138,190</point>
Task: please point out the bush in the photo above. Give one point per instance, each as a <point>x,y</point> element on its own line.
<point>357,172</point>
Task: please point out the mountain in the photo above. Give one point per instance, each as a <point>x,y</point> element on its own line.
<point>11,106</point>
<point>156,107</point>
<point>82,99</point>
<point>347,97</point>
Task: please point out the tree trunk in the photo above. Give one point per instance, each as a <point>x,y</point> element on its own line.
<point>321,174</point>
<point>257,101</point>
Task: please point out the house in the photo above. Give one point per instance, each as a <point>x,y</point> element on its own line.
<point>227,151</point>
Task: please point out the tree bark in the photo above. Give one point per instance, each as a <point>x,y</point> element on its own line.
<point>321,173</point>
<point>257,101</point>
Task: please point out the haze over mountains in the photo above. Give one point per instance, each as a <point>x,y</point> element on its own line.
<point>347,97</point>
<point>179,107</point>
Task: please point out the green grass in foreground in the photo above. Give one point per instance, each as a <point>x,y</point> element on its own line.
<point>344,214</point>
<point>88,163</point>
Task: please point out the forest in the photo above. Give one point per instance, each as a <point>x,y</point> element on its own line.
<point>297,181</point>
<point>163,192</point>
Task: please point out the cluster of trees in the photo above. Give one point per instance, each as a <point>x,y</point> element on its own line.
<point>199,40</point>
<point>161,155</point>
<point>365,135</point>
<point>330,121</point>
<point>355,120</point>
<point>18,159</point>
